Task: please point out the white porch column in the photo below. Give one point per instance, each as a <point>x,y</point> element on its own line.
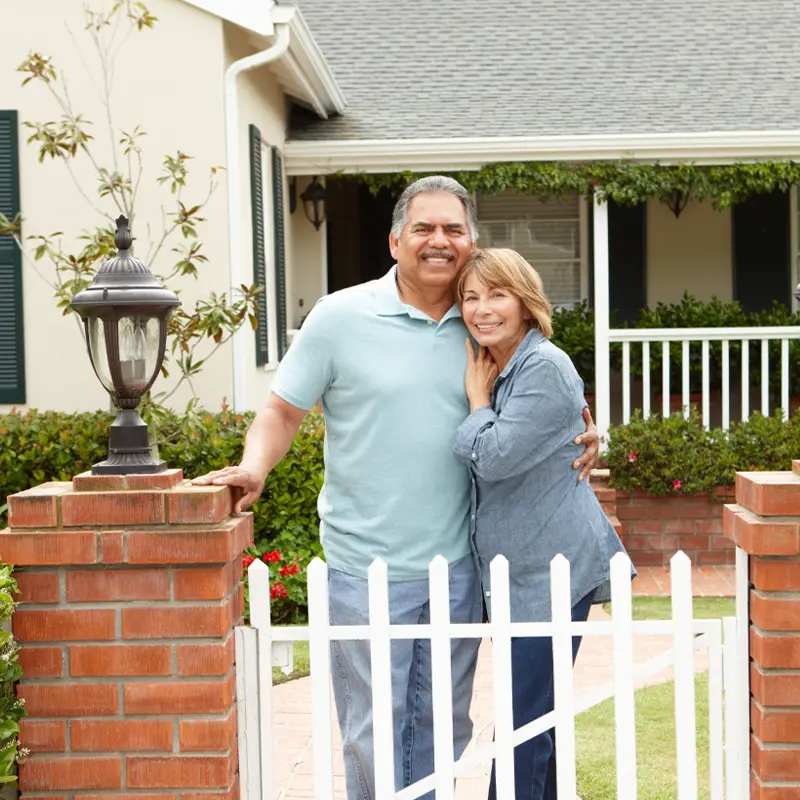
<point>602,361</point>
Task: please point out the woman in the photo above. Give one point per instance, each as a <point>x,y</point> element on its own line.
<point>526,401</point>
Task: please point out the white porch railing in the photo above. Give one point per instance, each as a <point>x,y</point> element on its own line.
<point>258,648</point>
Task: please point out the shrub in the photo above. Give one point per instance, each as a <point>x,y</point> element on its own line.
<point>669,455</point>
<point>11,709</point>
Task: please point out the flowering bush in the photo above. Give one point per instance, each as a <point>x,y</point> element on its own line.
<point>675,455</point>
<point>288,602</point>
<point>11,709</point>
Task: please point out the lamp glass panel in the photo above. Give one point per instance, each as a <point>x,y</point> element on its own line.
<point>138,351</point>
<point>98,352</point>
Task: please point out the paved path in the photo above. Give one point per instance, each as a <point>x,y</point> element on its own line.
<point>594,667</point>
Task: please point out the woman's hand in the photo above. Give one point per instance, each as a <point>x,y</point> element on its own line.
<point>481,374</point>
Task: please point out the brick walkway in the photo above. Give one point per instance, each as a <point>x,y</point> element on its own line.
<point>293,753</point>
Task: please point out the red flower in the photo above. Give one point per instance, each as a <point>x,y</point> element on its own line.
<point>273,556</point>
<point>676,484</point>
<point>246,562</point>
<point>288,570</point>
<point>278,591</point>
<point>632,456</point>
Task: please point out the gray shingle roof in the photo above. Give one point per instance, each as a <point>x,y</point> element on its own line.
<point>445,68</point>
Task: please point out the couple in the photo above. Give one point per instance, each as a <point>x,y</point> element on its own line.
<point>416,467</point>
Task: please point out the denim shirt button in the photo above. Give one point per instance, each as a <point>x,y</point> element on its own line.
<point>474,456</point>
<point>488,594</point>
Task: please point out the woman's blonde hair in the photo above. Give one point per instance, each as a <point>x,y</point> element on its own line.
<point>501,268</point>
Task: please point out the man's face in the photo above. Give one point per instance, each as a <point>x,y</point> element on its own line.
<point>435,242</point>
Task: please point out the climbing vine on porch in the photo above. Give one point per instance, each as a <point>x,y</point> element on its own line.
<point>624,182</point>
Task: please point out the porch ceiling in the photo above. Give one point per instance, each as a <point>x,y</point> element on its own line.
<point>434,69</point>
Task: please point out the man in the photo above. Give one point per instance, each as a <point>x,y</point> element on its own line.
<point>387,359</point>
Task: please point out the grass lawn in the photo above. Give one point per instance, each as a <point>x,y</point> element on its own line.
<point>302,667</point>
<point>655,723</point>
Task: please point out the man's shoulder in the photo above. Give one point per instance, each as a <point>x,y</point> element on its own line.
<point>350,301</point>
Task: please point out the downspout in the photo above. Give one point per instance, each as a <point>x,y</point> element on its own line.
<point>236,265</point>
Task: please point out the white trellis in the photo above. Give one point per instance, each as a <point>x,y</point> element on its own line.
<point>727,682</point>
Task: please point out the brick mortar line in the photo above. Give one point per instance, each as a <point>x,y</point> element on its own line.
<point>105,605</point>
<point>105,680</point>
<point>144,527</point>
<point>220,716</point>
<point>768,595</point>
<point>769,671</point>
<point>134,754</point>
<point>775,634</point>
<point>198,640</point>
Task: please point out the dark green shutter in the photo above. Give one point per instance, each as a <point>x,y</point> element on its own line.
<point>259,251</point>
<point>280,250</point>
<point>12,337</point>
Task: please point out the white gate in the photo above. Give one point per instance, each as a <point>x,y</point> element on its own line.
<point>725,642</point>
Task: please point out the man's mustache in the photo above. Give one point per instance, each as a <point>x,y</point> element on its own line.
<point>438,254</point>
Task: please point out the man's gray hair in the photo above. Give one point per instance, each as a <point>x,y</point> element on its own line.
<point>434,183</point>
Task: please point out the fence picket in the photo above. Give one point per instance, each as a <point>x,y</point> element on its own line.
<point>706,379</point>
<point>563,690</point>
<point>732,726</point>
<point>626,382</point>
<point>441,672</point>
<point>665,379</point>
<point>683,646</point>
<point>624,709</point>
<point>260,617</point>
<point>726,384</point>
<point>646,379</point>
<point>501,666</point>
<point>765,377</point>
<point>320,663</point>
<point>745,380</point>
<point>685,378</point>
<point>785,378</point>
<point>380,643</point>
<point>716,768</point>
<point>247,713</point>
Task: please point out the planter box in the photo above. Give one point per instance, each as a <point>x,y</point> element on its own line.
<point>653,529</point>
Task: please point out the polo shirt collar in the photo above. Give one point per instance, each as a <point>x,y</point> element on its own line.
<point>389,304</point>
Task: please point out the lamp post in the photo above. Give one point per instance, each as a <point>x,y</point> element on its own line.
<point>313,199</point>
<point>125,312</point>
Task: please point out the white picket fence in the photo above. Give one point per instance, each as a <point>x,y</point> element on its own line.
<point>728,700</point>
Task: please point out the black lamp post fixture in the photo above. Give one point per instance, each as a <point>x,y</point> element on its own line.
<point>125,312</point>
<point>314,203</point>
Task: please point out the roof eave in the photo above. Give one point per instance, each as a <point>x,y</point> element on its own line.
<point>424,155</point>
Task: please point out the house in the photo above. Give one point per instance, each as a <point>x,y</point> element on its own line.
<point>400,86</point>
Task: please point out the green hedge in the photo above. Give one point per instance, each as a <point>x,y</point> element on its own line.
<point>43,446</point>
<point>670,455</point>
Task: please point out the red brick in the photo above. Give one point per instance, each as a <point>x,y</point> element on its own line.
<point>43,736</point>
<point>214,545</point>
<point>195,697</point>
<point>36,507</point>
<point>112,508</point>
<point>685,526</point>
<point>722,543</point>
<point>691,510</point>
<point>168,479</point>
<point>775,576</point>
<point>69,699</point>
<point>774,613</point>
<point>775,725</point>
<point>693,542</point>
<point>715,558</point>
<point>118,796</point>
<point>111,548</point>
<point>119,660</point>
<point>702,526</point>
<point>63,625</point>
<point>37,587</point>
<point>191,772</point>
<point>759,535</point>
<point>154,622</point>
<point>117,584</point>
<point>207,734</point>
<point>206,659</point>
<point>230,794</point>
<point>198,504</point>
<point>648,526</point>
<point>43,549</point>
<point>649,559</point>
<point>86,482</point>
<point>759,791</point>
<point>604,494</point>
<point>769,493</point>
<point>104,736</point>
<point>207,583</point>
<point>774,764</point>
<point>41,662</point>
<point>44,774</point>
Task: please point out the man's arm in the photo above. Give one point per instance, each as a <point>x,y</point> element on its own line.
<point>591,439</point>
<point>268,440</point>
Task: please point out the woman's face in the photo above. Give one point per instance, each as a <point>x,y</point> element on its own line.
<point>495,317</point>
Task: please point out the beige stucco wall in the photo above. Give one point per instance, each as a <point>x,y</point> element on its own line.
<point>689,253</point>
<point>169,80</point>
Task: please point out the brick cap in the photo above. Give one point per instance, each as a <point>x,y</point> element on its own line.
<point>86,482</point>
<point>759,535</point>
<point>769,493</point>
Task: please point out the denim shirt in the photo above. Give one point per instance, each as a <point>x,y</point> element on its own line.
<point>527,503</point>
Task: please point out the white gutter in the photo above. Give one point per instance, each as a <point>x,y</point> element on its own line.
<point>237,263</point>
<point>471,153</point>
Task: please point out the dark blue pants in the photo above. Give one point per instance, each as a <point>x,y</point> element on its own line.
<point>532,679</point>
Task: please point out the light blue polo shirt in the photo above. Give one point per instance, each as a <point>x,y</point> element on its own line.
<point>391,381</point>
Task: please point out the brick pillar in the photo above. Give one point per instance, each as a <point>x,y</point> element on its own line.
<point>765,522</point>
<point>130,593</point>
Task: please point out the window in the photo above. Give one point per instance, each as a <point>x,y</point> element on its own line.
<point>547,234</point>
<point>269,248</point>
<point>12,344</point>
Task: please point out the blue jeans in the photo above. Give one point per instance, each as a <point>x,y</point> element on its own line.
<point>532,681</point>
<point>412,701</point>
